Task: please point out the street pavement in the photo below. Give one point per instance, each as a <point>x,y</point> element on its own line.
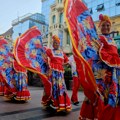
<point>33,110</point>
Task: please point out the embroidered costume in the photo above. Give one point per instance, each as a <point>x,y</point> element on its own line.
<point>48,63</point>
<point>97,61</point>
<point>13,76</point>
<point>60,99</point>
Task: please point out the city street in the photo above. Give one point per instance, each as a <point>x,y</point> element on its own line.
<point>32,110</point>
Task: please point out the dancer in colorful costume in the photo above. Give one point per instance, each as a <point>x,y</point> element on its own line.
<point>48,63</point>
<point>30,54</point>
<point>76,81</point>
<point>107,71</point>
<point>13,75</point>
<point>100,63</point>
<point>56,60</point>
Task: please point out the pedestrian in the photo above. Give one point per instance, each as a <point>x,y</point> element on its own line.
<point>76,82</point>
<point>60,100</point>
<point>106,69</point>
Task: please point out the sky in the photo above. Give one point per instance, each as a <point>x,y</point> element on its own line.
<point>12,9</point>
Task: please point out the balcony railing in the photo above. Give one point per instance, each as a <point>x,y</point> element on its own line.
<point>56,26</point>
<point>21,18</point>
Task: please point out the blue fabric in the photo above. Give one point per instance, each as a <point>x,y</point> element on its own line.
<point>57,80</point>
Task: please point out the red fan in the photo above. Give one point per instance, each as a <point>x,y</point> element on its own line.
<point>29,51</point>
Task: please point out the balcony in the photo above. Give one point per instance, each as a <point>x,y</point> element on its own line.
<point>60,6</point>
<point>56,26</point>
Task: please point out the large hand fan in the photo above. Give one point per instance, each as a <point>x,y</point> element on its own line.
<point>29,51</point>
<point>6,59</point>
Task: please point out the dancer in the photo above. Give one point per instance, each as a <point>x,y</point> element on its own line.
<point>76,82</point>
<point>56,60</point>
<point>30,53</point>
<point>13,75</point>
<point>17,87</point>
<point>102,97</point>
<point>106,70</point>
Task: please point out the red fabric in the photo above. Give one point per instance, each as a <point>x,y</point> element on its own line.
<point>62,103</point>
<point>88,111</point>
<point>19,52</point>
<point>47,88</point>
<point>23,95</point>
<point>86,79</point>
<point>110,113</point>
<point>72,10</point>
<point>18,68</point>
<point>6,86</point>
<point>20,56</point>
<point>56,62</point>
<point>2,86</point>
<point>75,88</point>
<point>108,53</point>
<point>2,41</point>
<point>65,58</point>
<point>10,92</point>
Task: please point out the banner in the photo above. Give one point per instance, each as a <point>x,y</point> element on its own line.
<point>82,32</point>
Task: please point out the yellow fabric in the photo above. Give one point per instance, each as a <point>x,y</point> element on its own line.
<point>56,38</point>
<point>104,18</point>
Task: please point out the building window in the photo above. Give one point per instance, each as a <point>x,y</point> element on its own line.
<point>59,1</point>
<point>90,10</point>
<point>100,7</point>
<point>61,18</point>
<point>118,3</point>
<point>54,19</point>
<point>43,29</point>
<point>68,38</point>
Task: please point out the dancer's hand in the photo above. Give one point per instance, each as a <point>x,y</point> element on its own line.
<point>96,44</point>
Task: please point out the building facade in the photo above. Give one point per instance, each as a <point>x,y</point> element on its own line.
<point>57,26</point>
<point>27,21</point>
<point>107,7</point>
<point>46,9</point>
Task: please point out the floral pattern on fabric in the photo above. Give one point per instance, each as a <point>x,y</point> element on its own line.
<point>10,77</point>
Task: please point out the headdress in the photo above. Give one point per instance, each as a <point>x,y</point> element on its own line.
<point>56,38</point>
<point>104,18</point>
